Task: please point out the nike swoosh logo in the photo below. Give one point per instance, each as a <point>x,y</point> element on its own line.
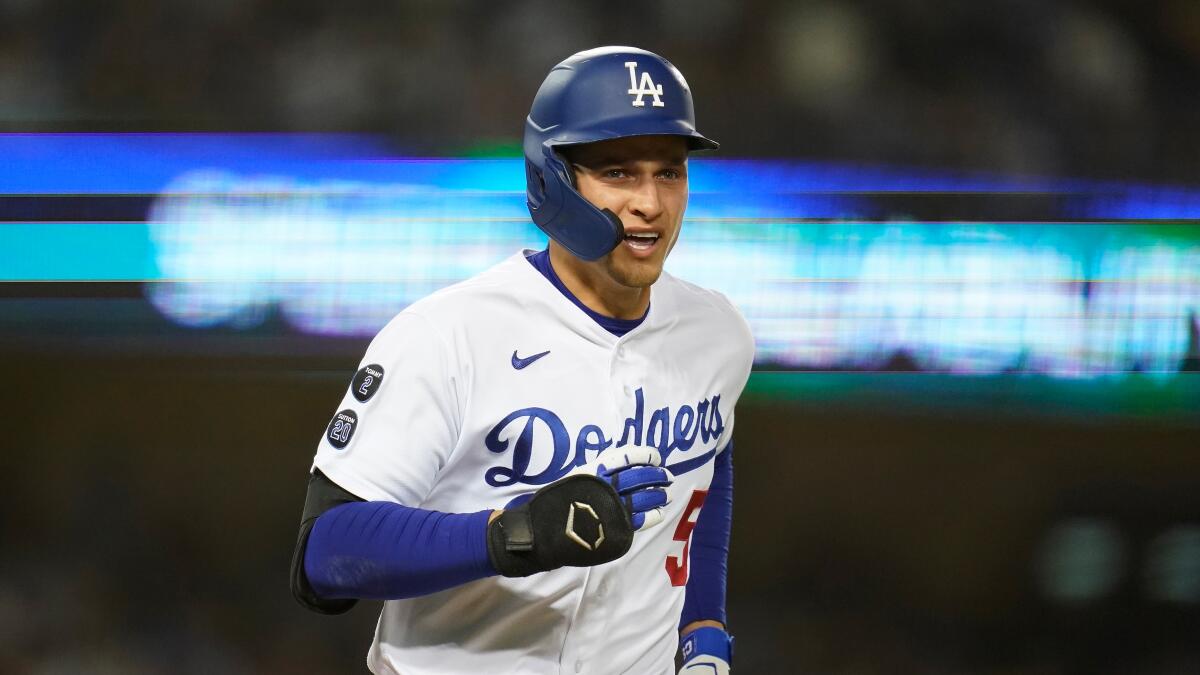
<point>519,363</point>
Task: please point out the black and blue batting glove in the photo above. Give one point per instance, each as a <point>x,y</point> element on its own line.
<point>706,651</point>
<point>587,518</point>
<point>577,521</point>
<point>637,474</point>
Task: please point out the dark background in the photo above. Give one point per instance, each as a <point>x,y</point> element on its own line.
<point>154,475</point>
<point>1062,87</point>
<point>152,503</point>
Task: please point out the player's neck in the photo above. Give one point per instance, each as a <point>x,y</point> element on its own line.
<point>598,291</point>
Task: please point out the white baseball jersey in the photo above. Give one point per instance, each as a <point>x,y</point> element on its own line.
<point>496,386</point>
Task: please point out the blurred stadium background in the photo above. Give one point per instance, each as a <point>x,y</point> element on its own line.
<point>967,236</point>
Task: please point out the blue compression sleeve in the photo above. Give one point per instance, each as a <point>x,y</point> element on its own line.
<point>704,598</point>
<point>385,551</point>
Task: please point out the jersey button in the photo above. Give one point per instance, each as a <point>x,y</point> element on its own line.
<point>579,666</point>
<point>621,352</point>
<point>628,390</point>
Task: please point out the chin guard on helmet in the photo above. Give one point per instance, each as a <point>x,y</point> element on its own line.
<point>598,95</point>
<point>565,215</point>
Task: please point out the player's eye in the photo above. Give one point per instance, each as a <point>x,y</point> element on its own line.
<point>670,174</point>
<point>613,173</point>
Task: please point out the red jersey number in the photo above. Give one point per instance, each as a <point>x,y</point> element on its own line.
<point>677,566</point>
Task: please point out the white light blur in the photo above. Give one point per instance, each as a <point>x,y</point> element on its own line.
<point>341,258</point>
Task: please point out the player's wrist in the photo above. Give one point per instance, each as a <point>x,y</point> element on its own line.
<point>707,649</point>
<point>712,623</point>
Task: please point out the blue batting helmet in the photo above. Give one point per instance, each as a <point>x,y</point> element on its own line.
<point>595,95</point>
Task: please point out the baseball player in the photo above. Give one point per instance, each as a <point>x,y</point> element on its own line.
<point>533,467</point>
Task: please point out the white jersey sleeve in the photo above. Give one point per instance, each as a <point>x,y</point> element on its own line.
<point>399,419</point>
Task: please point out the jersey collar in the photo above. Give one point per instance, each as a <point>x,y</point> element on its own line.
<point>572,312</point>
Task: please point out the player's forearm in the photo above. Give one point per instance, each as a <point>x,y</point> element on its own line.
<point>704,597</point>
<point>382,550</point>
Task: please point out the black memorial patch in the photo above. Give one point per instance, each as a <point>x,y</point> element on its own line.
<point>366,382</point>
<point>341,428</point>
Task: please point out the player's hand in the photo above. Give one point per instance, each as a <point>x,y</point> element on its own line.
<point>706,651</point>
<point>577,521</point>
<point>637,474</point>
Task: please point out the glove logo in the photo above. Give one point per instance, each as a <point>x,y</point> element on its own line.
<point>570,531</point>
<point>645,88</point>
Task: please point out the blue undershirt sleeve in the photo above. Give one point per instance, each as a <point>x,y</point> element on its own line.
<point>704,597</point>
<point>387,551</point>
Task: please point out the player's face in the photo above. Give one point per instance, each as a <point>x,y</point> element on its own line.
<point>642,179</point>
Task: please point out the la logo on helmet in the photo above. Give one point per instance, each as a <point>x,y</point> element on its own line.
<point>645,88</point>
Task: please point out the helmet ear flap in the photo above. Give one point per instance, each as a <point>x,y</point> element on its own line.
<point>557,165</point>
<point>561,166</point>
<point>584,230</point>
<point>535,186</point>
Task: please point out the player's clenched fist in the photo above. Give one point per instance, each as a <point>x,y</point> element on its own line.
<point>585,519</point>
<point>578,521</point>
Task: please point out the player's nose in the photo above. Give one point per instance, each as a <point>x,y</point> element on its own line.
<point>645,202</point>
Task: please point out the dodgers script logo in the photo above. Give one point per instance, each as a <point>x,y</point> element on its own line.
<point>645,88</point>
<point>668,433</point>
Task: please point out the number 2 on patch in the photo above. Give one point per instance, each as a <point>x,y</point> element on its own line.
<point>677,566</point>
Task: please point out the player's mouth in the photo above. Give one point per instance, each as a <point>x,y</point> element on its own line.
<point>641,244</point>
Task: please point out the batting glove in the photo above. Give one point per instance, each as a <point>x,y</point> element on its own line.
<point>707,651</point>
<point>577,521</point>
<point>587,518</point>
<point>637,474</point>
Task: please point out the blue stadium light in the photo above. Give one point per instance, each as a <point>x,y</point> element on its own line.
<point>338,236</point>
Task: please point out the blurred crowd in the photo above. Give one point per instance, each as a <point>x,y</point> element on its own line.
<point>1073,87</point>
